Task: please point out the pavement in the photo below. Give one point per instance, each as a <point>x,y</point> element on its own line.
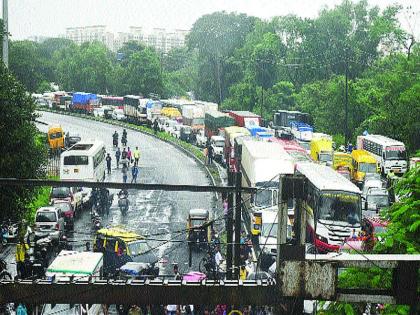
<point>150,212</point>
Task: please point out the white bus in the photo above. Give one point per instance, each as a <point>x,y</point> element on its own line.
<point>390,153</point>
<point>76,265</point>
<point>332,204</point>
<point>84,161</point>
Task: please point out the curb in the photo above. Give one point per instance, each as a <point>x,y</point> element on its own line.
<point>128,126</point>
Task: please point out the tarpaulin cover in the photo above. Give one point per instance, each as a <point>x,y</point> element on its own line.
<point>82,98</point>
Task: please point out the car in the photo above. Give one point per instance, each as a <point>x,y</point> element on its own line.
<point>99,112</point>
<point>176,131</point>
<point>118,114</point>
<point>72,139</point>
<point>161,123</point>
<point>68,211</point>
<point>370,183</point>
<point>49,221</point>
<point>218,144</point>
<point>72,194</point>
<point>201,139</point>
<point>375,199</point>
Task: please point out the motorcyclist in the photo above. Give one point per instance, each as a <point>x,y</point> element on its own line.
<point>124,137</point>
<point>123,193</point>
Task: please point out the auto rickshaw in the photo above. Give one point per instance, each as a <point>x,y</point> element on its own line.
<point>55,138</point>
<point>121,246</point>
<point>199,228</point>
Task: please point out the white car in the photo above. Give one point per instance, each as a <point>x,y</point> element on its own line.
<point>201,139</point>
<point>99,112</point>
<point>218,144</point>
<point>118,114</point>
<point>49,221</point>
<point>169,125</point>
<point>176,131</point>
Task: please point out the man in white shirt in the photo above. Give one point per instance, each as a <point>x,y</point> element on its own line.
<point>218,257</point>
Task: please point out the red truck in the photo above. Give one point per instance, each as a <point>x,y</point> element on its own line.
<point>245,118</point>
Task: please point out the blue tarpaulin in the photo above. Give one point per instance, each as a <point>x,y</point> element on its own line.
<point>82,98</point>
<point>254,130</point>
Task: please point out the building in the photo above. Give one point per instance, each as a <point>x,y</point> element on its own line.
<point>89,34</point>
<point>158,38</point>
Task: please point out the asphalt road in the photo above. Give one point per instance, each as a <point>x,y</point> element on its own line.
<point>150,212</point>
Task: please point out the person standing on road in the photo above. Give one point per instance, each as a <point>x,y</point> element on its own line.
<point>123,154</point>
<point>136,155</point>
<point>134,173</point>
<point>210,154</point>
<point>21,250</point>
<point>117,156</point>
<point>155,126</point>
<point>124,172</point>
<point>129,155</point>
<point>108,163</point>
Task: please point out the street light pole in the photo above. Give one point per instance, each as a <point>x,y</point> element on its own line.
<point>5,33</point>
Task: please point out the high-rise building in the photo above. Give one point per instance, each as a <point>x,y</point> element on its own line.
<point>89,34</point>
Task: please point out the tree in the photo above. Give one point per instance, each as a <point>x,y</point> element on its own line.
<point>143,74</point>
<point>128,48</point>
<point>22,155</point>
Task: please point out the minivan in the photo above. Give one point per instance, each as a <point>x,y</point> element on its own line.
<point>49,221</point>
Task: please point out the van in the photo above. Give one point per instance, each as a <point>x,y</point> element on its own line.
<point>49,221</point>
<point>363,163</point>
<point>56,137</point>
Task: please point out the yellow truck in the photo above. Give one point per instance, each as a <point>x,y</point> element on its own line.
<point>363,163</point>
<point>343,164</point>
<point>55,137</point>
<point>321,150</point>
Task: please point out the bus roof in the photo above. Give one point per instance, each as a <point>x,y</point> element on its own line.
<point>325,178</point>
<point>363,156</point>
<point>85,147</point>
<point>383,140</point>
<point>74,263</point>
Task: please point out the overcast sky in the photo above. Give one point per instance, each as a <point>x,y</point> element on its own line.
<point>51,17</point>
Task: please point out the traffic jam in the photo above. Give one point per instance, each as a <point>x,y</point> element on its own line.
<point>348,186</point>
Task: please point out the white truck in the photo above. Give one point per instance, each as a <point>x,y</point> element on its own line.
<point>261,165</point>
<point>390,154</point>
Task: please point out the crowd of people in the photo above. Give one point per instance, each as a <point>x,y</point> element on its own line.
<point>126,158</point>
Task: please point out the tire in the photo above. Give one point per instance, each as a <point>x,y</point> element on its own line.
<point>4,275</point>
<point>202,265</point>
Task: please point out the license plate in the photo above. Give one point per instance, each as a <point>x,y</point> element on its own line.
<point>395,170</point>
<point>76,170</point>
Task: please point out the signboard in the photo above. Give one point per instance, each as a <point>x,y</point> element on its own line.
<point>251,122</point>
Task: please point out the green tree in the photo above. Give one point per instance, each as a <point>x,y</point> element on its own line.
<point>22,155</point>
<point>128,49</point>
<point>143,73</point>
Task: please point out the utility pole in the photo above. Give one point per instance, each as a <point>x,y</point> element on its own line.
<point>238,209</point>
<point>5,33</point>
<point>346,105</point>
<point>229,229</point>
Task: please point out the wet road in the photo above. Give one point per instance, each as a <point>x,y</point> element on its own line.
<point>150,212</point>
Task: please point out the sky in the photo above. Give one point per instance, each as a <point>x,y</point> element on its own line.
<point>50,17</point>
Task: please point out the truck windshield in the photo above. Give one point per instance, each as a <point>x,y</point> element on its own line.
<point>378,200</point>
<point>340,206</point>
<point>269,229</point>
<point>325,157</point>
<point>367,167</point>
<point>396,155</point>
<point>56,135</point>
<point>219,143</point>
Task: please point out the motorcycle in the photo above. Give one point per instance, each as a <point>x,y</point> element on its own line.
<point>123,202</point>
<point>115,142</point>
<point>124,141</point>
<point>96,220</point>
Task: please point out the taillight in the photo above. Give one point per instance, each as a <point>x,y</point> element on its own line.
<point>57,226</point>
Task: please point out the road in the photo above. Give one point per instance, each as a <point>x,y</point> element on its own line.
<point>150,212</point>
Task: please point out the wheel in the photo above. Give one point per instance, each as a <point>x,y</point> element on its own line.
<point>202,265</point>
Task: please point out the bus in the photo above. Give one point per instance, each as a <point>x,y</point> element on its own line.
<point>135,109</point>
<point>114,101</point>
<point>389,153</point>
<point>84,161</point>
<point>333,207</point>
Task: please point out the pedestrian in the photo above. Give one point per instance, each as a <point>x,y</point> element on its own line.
<point>206,154</point>
<point>117,156</point>
<point>134,173</point>
<point>242,273</point>
<point>177,275</point>
<point>124,172</point>
<point>210,152</point>
<point>108,163</point>
<point>129,156</point>
<point>155,126</point>
<point>21,251</point>
<point>218,258</point>
<point>123,154</point>
<point>136,155</point>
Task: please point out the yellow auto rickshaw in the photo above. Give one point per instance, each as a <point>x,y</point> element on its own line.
<point>55,138</point>
<point>199,228</point>
<point>121,246</point>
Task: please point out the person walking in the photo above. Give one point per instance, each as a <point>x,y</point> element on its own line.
<point>155,126</point>
<point>134,173</point>
<point>108,162</point>
<point>117,156</point>
<point>124,172</point>
<point>210,152</point>
<point>129,155</point>
<point>136,155</point>
<point>21,251</point>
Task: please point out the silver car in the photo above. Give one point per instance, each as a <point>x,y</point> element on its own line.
<point>49,221</point>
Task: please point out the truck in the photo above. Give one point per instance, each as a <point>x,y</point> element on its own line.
<point>193,116</point>
<point>135,109</point>
<point>215,121</point>
<point>246,119</point>
<point>261,165</point>
<point>302,131</point>
<point>153,110</point>
<point>321,150</point>
<point>283,118</point>
<point>230,134</point>
<point>389,153</point>
<point>84,102</point>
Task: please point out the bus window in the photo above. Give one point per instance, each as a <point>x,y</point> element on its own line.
<point>76,160</point>
<point>344,208</point>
